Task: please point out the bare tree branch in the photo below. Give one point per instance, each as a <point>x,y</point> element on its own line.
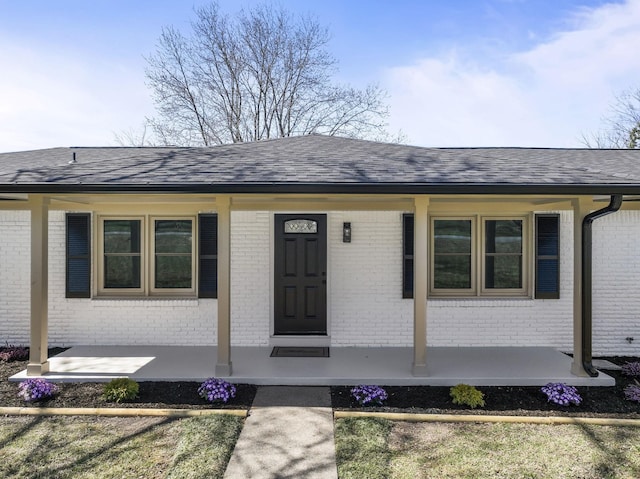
<point>133,137</point>
<point>261,74</point>
<point>622,125</point>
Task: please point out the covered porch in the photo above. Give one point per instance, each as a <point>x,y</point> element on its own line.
<point>418,364</point>
<point>479,366</point>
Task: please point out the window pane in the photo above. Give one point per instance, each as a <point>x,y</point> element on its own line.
<point>173,271</point>
<point>173,236</point>
<point>452,272</point>
<point>122,271</point>
<point>122,236</point>
<point>300,226</point>
<point>503,272</point>
<point>452,236</point>
<point>503,236</point>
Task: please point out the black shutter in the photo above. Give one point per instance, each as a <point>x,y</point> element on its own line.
<point>78,260</point>
<point>208,256</point>
<point>407,256</point>
<point>548,256</point>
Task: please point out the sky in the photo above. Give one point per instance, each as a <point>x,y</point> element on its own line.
<point>524,73</point>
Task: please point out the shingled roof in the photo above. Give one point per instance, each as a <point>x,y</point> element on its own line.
<point>316,164</point>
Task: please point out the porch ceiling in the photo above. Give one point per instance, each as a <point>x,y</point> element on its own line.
<point>345,366</point>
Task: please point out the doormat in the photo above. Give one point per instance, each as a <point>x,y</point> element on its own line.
<point>299,352</point>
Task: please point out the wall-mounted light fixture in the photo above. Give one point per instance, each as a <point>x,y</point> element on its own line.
<point>346,232</point>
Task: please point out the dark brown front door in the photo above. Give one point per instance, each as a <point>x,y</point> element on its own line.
<point>300,274</point>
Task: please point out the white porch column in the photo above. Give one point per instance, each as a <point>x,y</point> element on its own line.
<point>420,275</point>
<point>38,354</point>
<point>581,208</point>
<point>223,365</point>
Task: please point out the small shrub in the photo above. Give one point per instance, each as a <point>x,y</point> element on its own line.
<point>369,394</point>
<point>467,395</point>
<point>14,353</point>
<point>632,393</point>
<point>120,389</point>
<point>562,394</point>
<point>217,390</point>
<point>36,389</point>
<point>631,369</point>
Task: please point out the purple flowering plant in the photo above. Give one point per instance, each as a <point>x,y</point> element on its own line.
<point>36,389</point>
<point>14,353</point>
<point>217,390</point>
<point>632,392</point>
<point>562,394</point>
<point>369,394</point>
<point>631,368</point>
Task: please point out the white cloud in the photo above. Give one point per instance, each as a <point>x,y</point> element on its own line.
<point>547,96</point>
<point>62,99</point>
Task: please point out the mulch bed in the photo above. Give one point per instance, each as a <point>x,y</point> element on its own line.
<point>597,401</point>
<point>152,394</point>
<point>511,401</point>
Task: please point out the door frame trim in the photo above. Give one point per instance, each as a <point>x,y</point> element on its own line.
<point>293,340</point>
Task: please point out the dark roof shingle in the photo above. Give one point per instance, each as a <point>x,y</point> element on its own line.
<point>319,162</point>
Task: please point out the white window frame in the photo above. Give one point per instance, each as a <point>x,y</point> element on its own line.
<point>478,258</point>
<point>147,258</point>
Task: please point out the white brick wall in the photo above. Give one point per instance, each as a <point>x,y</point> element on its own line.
<point>15,277</point>
<point>250,278</point>
<point>365,281</point>
<point>365,293</point>
<point>616,283</point>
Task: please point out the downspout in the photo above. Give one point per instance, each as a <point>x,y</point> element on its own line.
<point>587,281</point>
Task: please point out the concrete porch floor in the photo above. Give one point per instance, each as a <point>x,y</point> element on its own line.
<point>345,366</point>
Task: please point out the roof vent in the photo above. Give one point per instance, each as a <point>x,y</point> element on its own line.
<point>73,161</point>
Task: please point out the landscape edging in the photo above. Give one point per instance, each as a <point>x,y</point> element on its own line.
<point>408,417</point>
<point>549,420</point>
<point>114,412</point>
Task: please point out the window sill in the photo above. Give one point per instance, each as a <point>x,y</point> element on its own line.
<point>194,299</point>
<point>480,298</point>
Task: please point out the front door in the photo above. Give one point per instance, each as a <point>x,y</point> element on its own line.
<point>300,275</point>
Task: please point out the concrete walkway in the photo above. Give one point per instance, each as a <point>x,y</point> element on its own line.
<point>288,434</point>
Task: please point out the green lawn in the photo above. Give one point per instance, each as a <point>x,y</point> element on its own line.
<point>374,448</point>
<point>150,448</point>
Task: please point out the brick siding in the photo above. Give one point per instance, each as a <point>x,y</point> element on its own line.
<point>365,305</point>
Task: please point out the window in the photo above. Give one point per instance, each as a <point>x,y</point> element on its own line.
<point>472,256</point>
<point>168,267</point>
<point>122,254</point>
<point>452,256</point>
<point>173,254</point>
<point>503,266</point>
<point>143,256</point>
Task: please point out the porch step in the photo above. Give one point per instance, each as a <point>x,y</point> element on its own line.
<point>289,433</point>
